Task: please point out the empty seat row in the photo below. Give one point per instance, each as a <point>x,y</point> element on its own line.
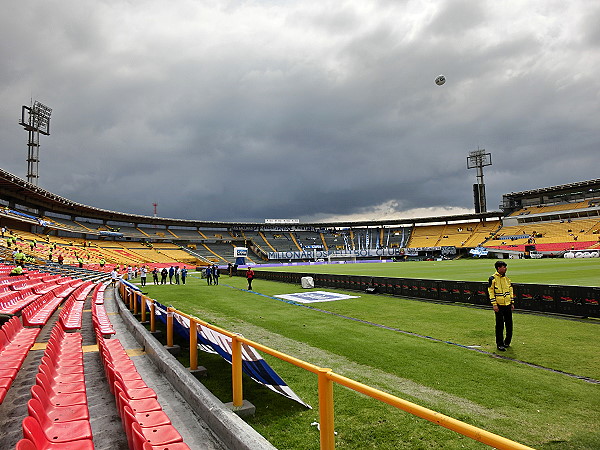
<point>26,284</point>
<point>98,293</point>
<point>15,342</point>
<point>146,424</point>
<point>100,319</point>
<point>71,315</point>
<point>11,302</point>
<point>58,408</point>
<point>83,290</point>
<point>39,311</point>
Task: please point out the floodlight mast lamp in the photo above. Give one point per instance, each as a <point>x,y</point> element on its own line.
<point>478,159</point>
<point>37,122</point>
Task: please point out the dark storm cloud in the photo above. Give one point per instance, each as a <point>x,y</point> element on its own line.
<point>241,111</point>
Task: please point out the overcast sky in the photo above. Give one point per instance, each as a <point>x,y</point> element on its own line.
<point>310,109</point>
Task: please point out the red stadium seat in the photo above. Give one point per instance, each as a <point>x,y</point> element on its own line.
<point>172,446</point>
<point>63,378</point>
<point>77,398</point>
<point>8,372</point>
<point>33,431</point>
<point>140,405</point>
<point>58,413</point>
<point>25,444</point>
<point>57,387</point>
<point>62,367</point>
<point>55,431</point>
<point>159,435</point>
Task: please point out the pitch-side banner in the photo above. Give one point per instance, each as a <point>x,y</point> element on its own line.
<point>211,341</point>
<point>311,254</point>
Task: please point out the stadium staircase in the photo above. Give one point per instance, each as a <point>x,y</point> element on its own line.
<point>196,255</point>
<point>262,235</point>
<point>324,243</point>
<point>295,241</point>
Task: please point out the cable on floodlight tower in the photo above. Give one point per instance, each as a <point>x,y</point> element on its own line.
<point>37,122</point>
<point>478,159</point>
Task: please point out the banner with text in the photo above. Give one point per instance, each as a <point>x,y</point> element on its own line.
<point>314,253</point>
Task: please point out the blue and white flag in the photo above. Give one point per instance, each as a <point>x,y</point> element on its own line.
<point>212,341</point>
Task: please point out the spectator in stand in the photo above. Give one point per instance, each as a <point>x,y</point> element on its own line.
<point>250,277</point>
<point>60,260</point>
<point>19,258</point>
<point>183,274</point>
<point>16,271</point>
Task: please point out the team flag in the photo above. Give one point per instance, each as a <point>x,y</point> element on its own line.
<point>212,341</point>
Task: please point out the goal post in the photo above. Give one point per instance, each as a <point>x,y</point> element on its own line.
<point>341,258</point>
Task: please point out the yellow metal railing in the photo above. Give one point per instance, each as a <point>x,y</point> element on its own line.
<point>325,377</point>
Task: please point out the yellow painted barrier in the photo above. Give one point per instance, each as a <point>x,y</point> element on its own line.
<point>236,370</point>
<point>152,316</point>
<point>143,306</point>
<point>193,346</point>
<point>170,313</point>
<point>326,378</point>
<point>326,422</point>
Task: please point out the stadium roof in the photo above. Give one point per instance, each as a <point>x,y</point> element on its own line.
<point>590,184</point>
<point>565,192</point>
<point>17,191</point>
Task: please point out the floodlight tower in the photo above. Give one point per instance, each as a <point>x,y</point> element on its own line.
<point>38,121</point>
<point>478,159</point>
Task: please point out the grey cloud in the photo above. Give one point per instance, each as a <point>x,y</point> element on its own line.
<point>245,111</point>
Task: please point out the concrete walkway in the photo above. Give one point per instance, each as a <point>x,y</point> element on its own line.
<point>202,420</point>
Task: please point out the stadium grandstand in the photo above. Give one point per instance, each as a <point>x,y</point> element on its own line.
<point>90,242</point>
<point>548,221</point>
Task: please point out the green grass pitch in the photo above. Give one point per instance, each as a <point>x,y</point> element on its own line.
<point>528,398</point>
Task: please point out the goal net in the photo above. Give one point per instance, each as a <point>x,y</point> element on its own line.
<point>341,258</point>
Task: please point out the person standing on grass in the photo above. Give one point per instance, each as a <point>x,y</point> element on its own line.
<point>250,277</point>
<point>143,272</point>
<point>502,297</point>
<point>183,274</point>
<point>208,274</point>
